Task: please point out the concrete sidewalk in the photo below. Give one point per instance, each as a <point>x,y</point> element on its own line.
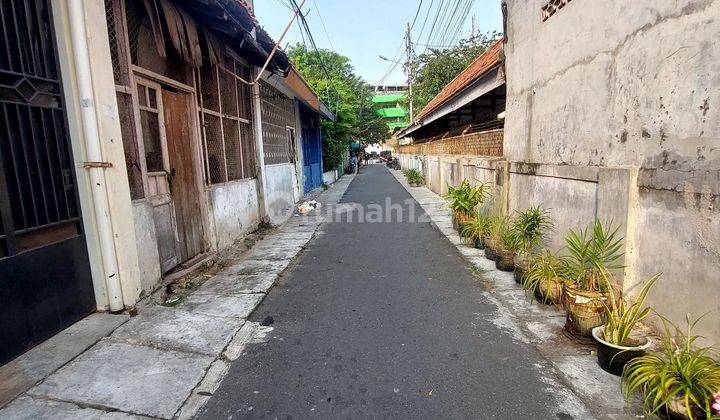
<point>167,361</point>
<point>532,322</point>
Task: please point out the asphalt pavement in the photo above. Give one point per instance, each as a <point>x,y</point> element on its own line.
<point>383,320</point>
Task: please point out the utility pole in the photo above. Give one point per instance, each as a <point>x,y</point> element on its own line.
<point>409,68</point>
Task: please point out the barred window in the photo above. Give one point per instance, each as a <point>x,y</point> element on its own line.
<point>226,115</point>
<point>278,114</point>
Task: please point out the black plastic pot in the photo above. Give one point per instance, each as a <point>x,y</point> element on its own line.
<point>612,358</point>
<point>519,275</point>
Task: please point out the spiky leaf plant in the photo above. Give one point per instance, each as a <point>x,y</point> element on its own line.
<point>593,251</point>
<point>623,317</point>
<point>679,376</point>
<point>548,269</point>
<point>529,227</point>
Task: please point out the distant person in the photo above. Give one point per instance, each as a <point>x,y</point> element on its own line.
<point>354,164</point>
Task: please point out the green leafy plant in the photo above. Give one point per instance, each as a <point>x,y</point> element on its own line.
<point>529,227</point>
<point>593,252</point>
<point>545,271</point>
<point>497,226</point>
<point>414,176</point>
<point>623,317</point>
<point>476,228</point>
<point>680,377</point>
<point>465,197</point>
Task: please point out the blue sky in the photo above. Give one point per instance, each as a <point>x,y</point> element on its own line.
<point>362,30</point>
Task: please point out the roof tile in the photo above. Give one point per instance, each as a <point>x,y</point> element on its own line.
<point>478,68</point>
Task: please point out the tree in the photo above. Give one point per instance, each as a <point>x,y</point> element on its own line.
<point>436,67</point>
<point>332,77</point>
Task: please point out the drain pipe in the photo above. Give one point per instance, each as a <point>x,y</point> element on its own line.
<point>93,149</point>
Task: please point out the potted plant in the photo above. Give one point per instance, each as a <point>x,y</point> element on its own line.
<point>464,200</point>
<point>505,247</point>
<point>545,277</point>
<point>681,382</point>
<point>496,225</point>
<point>593,253</point>
<point>616,344</point>
<point>414,177</point>
<point>476,231</point>
<point>528,227</point>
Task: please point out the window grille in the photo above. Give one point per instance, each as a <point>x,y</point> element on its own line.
<point>110,17</point>
<point>278,113</point>
<point>215,149</point>
<point>227,122</point>
<point>135,13</point>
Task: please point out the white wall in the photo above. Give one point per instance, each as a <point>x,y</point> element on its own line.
<point>234,211</point>
<point>280,187</point>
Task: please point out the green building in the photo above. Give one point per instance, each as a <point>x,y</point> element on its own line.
<point>390,100</point>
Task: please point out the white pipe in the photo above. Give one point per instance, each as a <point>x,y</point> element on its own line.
<point>94,154</point>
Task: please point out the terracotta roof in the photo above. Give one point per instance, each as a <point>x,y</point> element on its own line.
<point>490,59</point>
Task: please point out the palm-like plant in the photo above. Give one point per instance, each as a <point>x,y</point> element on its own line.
<point>465,198</point>
<point>476,228</point>
<point>414,176</point>
<point>547,271</point>
<point>623,317</point>
<point>593,251</point>
<point>680,378</point>
<point>529,227</point>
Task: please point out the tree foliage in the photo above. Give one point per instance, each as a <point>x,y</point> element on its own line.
<point>333,78</point>
<point>436,67</point>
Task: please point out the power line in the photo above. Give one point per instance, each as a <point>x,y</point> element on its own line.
<point>322,22</point>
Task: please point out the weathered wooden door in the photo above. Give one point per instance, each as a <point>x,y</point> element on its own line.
<point>185,185</point>
<point>45,281</point>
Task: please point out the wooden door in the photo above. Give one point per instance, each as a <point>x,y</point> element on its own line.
<point>183,175</point>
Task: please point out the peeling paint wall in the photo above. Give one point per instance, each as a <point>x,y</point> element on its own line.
<point>280,184</point>
<point>235,211</point>
<point>631,92</point>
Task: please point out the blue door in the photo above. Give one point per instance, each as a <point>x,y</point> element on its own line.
<point>312,152</point>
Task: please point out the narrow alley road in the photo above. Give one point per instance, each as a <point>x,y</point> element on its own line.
<point>383,320</point>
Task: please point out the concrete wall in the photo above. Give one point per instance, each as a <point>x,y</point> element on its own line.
<point>280,184</point>
<point>633,96</point>
<point>147,250</point>
<point>330,177</point>
<point>234,210</point>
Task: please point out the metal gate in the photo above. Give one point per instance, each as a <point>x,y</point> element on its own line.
<point>45,281</point>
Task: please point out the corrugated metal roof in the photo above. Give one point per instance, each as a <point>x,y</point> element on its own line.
<point>492,57</point>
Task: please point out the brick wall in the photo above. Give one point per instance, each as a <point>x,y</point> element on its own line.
<point>484,143</point>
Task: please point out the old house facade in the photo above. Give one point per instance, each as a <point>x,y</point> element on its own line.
<point>139,137</point>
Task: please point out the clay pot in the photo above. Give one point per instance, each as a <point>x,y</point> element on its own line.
<point>479,243</point>
<point>550,292</point>
<point>490,253</point>
<point>504,260</point>
<point>585,310</point>
<point>521,262</point>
